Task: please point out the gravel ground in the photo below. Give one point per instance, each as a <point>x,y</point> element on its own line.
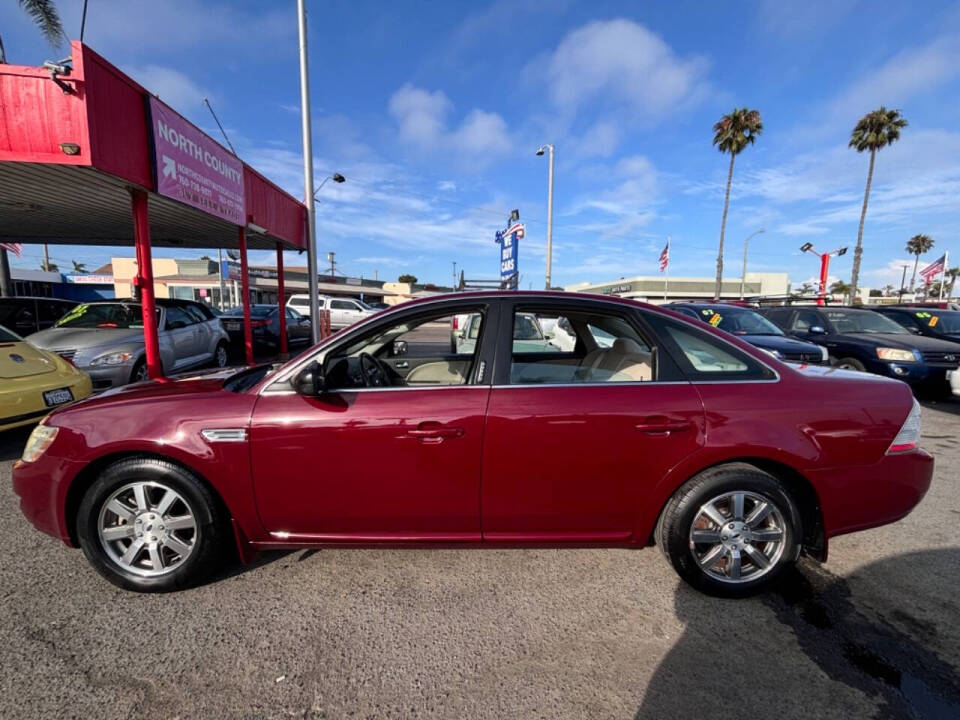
<point>493,633</point>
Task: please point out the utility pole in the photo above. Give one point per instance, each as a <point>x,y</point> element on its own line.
<point>903,280</point>
<point>46,258</point>
<point>308,172</point>
<point>454,274</point>
<point>333,263</point>
<point>743,275</point>
<point>549,278</point>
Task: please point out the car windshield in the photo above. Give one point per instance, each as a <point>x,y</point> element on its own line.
<point>944,321</point>
<point>862,321</point>
<point>7,336</point>
<point>738,321</point>
<point>104,315</point>
<point>255,311</point>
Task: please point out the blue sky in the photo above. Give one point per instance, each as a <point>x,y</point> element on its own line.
<point>433,112</point>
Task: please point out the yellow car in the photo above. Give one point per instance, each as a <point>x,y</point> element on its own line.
<point>34,381</point>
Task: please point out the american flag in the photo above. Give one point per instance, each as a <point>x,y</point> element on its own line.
<point>15,248</point>
<point>933,269</point>
<point>665,257</point>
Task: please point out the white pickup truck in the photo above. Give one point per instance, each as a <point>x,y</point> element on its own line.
<point>343,311</point>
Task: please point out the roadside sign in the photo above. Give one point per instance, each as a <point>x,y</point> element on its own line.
<point>192,168</point>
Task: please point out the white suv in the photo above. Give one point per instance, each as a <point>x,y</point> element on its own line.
<point>343,311</point>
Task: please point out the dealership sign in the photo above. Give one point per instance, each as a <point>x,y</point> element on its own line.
<point>89,279</point>
<point>509,248</point>
<point>231,271</point>
<point>193,169</point>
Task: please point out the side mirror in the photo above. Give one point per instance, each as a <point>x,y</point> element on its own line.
<point>911,329</point>
<point>458,334</point>
<point>549,336</point>
<point>399,348</point>
<point>817,330</point>
<point>309,381</point>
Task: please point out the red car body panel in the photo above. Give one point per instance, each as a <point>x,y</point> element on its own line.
<point>539,465</point>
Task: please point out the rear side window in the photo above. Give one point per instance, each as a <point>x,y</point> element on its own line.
<point>302,302</point>
<point>779,317</point>
<point>342,305</point>
<point>704,357</point>
<point>806,320</point>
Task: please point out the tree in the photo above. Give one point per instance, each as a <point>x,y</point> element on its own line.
<point>952,274</point>
<point>840,288</point>
<point>79,268</point>
<point>888,290</point>
<point>49,267</point>
<point>917,246</point>
<point>407,278</point>
<point>731,135</point>
<point>45,15</point>
<point>874,131</point>
<point>806,289</point>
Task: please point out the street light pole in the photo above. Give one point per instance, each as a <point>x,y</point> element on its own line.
<point>549,280</point>
<point>308,173</point>
<point>743,275</point>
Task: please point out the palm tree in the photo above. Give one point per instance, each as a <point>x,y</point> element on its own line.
<point>888,290</point>
<point>952,273</point>
<point>79,268</point>
<point>840,288</point>
<point>45,15</point>
<point>874,131</point>
<point>731,135</point>
<point>917,246</point>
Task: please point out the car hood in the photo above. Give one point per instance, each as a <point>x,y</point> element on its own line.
<point>781,343</point>
<point>897,340</point>
<point>19,359</point>
<point>79,338</point>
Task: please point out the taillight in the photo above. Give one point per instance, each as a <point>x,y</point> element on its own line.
<point>456,323</point>
<point>909,436</point>
<point>259,323</point>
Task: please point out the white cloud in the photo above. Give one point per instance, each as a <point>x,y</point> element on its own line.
<point>447,185</point>
<point>421,117</point>
<point>909,73</point>
<point>172,86</point>
<point>623,63</point>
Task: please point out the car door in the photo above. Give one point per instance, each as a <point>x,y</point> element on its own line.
<point>298,327</point>
<point>394,463</point>
<point>576,440</point>
<point>202,333</point>
<point>181,335</point>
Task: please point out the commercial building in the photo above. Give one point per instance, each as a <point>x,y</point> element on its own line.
<point>658,289</point>
<point>97,285</point>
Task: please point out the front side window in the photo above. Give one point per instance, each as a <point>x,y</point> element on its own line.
<point>178,318</point>
<point>342,305</point>
<point>578,347</point>
<point>806,320</point>
<point>862,321</point>
<point>104,315</point>
<point>423,351</point>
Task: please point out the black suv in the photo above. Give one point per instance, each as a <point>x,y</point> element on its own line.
<point>933,322</point>
<point>753,328</point>
<point>27,315</point>
<point>860,339</point>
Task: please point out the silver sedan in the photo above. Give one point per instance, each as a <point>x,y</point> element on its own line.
<point>105,339</point>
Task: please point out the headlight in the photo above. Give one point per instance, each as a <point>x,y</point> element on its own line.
<point>117,358</point>
<point>775,353</point>
<point>897,355</point>
<point>40,439</point>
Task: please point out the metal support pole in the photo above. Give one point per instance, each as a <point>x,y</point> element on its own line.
<point>281,304</point>
<point>550,221</point>
<point>903,280</point>
<point>6,282</point>
<point>223,302</point>
<point>144,281</point>
<point>245,284</point>
<point>824,273</point>
<point>308,171</point>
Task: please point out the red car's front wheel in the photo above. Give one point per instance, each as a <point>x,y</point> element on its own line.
<point>149,525</point>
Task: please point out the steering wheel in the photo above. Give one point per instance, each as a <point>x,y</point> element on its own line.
<point>372,371</point>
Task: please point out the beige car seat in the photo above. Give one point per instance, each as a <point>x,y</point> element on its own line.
<point>625,361</point>
<point>444,372</point>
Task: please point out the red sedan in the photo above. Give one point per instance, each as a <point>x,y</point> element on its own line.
<point>636,427</point>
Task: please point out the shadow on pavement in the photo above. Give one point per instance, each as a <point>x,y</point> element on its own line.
<point>901,650</point>
<point>948,405</point>
<point>12,442</point>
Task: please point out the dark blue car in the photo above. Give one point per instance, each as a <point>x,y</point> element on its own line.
<point>265,326</point>
<point>860,339</point>
<point>755,329</point>
<point>932,322</point>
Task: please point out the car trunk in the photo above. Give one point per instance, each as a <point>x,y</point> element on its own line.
<point>19,360</point>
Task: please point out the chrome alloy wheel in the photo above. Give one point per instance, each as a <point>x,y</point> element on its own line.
<point>147,528</point>
<point>737,537</point>
<point>220,356</point>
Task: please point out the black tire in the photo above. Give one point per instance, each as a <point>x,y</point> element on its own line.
<point>221,355</point>
<point>139,372</point>
<point>209,539</point>
<point>674,529</point>
<point>850,363</point>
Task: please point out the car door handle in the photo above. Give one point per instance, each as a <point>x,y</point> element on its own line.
<point>433,433</point>
<point>659,425</point>
<point>402,365</point>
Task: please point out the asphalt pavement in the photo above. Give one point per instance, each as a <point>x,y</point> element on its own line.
<point>874,633</point>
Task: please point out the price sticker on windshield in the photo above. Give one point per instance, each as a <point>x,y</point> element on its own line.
<point>933,320</point>
<point>716,319</point>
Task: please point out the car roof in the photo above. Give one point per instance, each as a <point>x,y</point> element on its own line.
<point>708,304</point>
<point>36,297</point>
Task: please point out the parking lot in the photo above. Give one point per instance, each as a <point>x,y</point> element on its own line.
<point>495,633</point>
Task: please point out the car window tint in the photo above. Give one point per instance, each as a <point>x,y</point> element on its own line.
<point>806,319</point>
<point>578,347</point>
<point>51,311</point>
<point>178,316</point>
<point>342,305</point>
<point>195,313</point>
<point>707,355</point>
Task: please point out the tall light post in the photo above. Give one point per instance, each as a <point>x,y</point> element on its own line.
<point>540,151</point>
<point>308,192</point>
<point>824,268</point>
<point>743,275</point>
<point>336,177</point>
